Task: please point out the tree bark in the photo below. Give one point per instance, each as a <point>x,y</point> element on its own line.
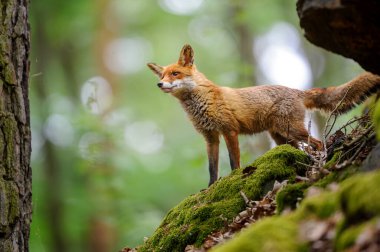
<point>347,27</point>
<point>15,137</point>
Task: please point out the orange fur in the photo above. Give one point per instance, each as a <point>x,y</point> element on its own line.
<point>344,97</point>
<point>225,111</point>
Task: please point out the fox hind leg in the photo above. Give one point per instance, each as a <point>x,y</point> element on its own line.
<point>279,139</point>
<point>299,133</point>
<point>294,136</point>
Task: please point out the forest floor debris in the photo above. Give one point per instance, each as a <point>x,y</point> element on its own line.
<point>349,145</point>
<point>255,211</point>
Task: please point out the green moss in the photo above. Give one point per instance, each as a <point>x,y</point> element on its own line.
<point>9,205</point>
<point>9,191</point>
<point>9,127</point>
<point>347,237</point>
<point>358,201</point>
<point>376,119</point>
<point>284,155</point>
<point>333,160</point>
<point>360,197</point>
<point>13,198</point>
<point>10,74</point>
<point>3,207</point>
<point>6,245</point>
<point>336,176</point>
<point>270,234</point>
<point>279,233</point>
<point>320,206</point>
<point>4,47</point>
<point>198,215</point>
<point>290,195</point>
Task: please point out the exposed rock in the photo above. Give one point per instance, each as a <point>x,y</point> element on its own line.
<point>372,162</point>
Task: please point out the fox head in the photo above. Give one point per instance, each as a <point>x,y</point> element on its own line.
<point>176,78</point>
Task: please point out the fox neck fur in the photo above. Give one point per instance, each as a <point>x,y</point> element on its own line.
<point>206,107</point>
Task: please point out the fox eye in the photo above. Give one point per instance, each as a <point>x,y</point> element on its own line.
<point>175,73</point>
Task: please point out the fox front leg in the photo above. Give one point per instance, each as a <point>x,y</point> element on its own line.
<point>212,140</point>
<point>232,142</point>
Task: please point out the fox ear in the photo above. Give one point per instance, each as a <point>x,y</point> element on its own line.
<point>186,57</point>
<point>157,70</point>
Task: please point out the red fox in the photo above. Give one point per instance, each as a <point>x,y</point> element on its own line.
<point>225,111</point>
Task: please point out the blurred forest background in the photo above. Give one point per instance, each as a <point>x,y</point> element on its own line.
<point>111,152</point>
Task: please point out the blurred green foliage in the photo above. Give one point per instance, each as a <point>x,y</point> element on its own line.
<point>112,153</point>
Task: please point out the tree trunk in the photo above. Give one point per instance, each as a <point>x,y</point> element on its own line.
<point>348,27</point>
<point>15,137</point>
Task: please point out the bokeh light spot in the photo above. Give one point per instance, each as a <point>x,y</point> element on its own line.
<point>281,59</point>
<point>59,130</point>
<point>144,137</point>
<point>96,95</point>
<point>90,146</point>
<point>127,55</point>
<point>181,7</point>
<point>285,67</point>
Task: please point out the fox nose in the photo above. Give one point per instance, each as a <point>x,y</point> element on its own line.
<point>159,84</point>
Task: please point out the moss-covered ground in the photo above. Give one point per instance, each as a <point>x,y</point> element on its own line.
<point>357,201</point>
<point>268,235</point>
<point>348,211</point>
<point>200,214</point>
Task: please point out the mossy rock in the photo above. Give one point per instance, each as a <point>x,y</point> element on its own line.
<point>360,197</point>
<point>199,215</point>
<point>347,237</point>
<point>358,201</point>
<point>337,176</point>
<point>270,234</point>
<point>288,198</point>
<point>281,233</point>
<point>320,206</point>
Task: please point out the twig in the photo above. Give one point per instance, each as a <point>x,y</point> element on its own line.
<point>356,154</point>
<point>332,125</point>
<point>303,179</point>
<point>363,119</point>
<point>360,137</point>
<point>309,132</point>
<point>323,157</point>
<point>246,200</point>
<point>307,165</point>
<point>333,113</point>
<point>357,151</point>
<point>356,139</point>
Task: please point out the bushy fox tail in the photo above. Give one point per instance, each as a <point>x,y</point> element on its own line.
<point>342,98</point>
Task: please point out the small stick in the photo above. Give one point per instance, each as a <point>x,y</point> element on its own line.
<point>360,137</point>
<point>325,133</point>
<point>357,139</point>
<point>246,200</point>
<point>333,113</point>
